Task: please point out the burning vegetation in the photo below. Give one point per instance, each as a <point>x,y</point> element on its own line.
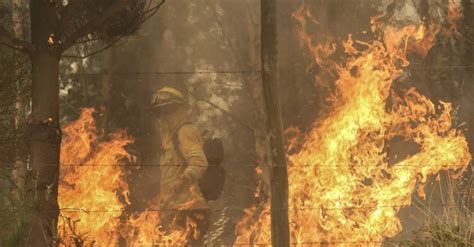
<point>348,181</point>
<point>344,189</point>
<point>94,192</point>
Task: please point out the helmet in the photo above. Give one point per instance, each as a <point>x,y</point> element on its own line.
<point>167,96</point>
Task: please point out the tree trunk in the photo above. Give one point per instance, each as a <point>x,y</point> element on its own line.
<point>19,170</point>
<point>45,135</point>
<point>45,138</point>
<point>278,176</point>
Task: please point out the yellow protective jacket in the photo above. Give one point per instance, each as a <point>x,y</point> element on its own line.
<point>172,165</point>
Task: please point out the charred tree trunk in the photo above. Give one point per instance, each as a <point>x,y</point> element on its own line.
<point>44,136</point>
<point>278,176</point>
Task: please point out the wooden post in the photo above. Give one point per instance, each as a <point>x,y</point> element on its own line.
<point>278,171</point>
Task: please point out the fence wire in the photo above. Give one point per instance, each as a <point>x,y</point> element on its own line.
<point>74,210</point>
<point>239,71</point>
<point>239,165</point>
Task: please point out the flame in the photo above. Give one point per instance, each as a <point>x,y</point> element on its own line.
<point>91,182</point>
<point>144,229</point>
<point>344,189</point>
<point>93,192</point>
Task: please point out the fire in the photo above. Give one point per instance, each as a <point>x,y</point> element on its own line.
<point>344,189</point>
<point>144,229</point>
<point>93,192</point>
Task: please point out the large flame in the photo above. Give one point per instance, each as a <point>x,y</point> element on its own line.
<point>344,189</point>
<point>93,192</point>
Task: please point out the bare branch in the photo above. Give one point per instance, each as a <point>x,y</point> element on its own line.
<point>9,40</point>
<point>151,11</point>
<point>70,106</point>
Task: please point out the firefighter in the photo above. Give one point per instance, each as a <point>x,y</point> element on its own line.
<point>182,164</point>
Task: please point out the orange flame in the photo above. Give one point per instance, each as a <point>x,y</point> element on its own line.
<point>91,182</point>
<point>93,192</point>
<point>344,190</point>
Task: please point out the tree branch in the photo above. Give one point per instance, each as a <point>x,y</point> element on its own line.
<point>151,11</point>
<point>91,26</point>
<point>90,54</point>
<point>8,39</point>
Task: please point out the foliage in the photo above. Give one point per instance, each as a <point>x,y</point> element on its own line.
<point>15,217</point>
<point>125,22</point>
<point>14,86</point>
<point>92,23</point>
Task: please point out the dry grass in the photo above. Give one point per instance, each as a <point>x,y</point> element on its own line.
<point>455,227</point>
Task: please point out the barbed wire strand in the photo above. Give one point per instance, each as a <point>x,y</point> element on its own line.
<point>253,166</point>
<point>75,210</point>
<point>238,71</point>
